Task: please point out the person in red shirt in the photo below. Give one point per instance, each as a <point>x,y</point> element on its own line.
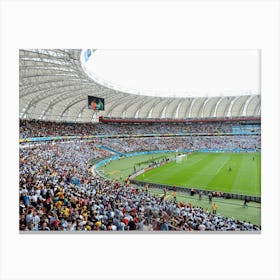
<point>93,105</point>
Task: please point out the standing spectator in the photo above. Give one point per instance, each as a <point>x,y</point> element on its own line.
<point>21,207</point>
<point>175,196</point>
<point>214,208</point>
<point>192,192</point>
<point>210,197</point>
<point>164,226</point>
<point>246,200</point>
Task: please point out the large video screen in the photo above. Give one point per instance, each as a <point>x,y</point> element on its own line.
<point>96,103</point>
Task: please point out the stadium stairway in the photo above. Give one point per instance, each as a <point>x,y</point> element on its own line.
<point>110,150</point>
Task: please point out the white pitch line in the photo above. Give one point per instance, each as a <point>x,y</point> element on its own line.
<point>221,167</point>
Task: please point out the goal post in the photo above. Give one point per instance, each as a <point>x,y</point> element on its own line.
<point>180,158</point>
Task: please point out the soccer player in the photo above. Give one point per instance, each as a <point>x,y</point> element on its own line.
<point>230,168</point>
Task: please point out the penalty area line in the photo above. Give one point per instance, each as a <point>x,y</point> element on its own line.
<point>220,168</point>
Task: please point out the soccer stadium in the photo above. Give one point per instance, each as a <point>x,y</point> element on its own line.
<point>99,155</point>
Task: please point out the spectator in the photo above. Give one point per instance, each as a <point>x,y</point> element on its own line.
<point>214,208</point>
<point>210,197</point>
<point>246,200</point>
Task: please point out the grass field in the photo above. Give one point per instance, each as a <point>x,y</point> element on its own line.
<point>125,166</point>
<point>210,171</point>
<point>204,171</point>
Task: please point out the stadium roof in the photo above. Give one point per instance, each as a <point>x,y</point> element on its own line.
<point>53,85</point>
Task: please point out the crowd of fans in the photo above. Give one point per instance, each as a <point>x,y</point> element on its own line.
<point>36,128</point>
<point>59,192</point>
<point>183,143</point>
<point>127,145</point>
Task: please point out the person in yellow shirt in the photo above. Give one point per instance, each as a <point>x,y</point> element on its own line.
<point>174,196</point>
<point>60,195</point>
<point>147,188</point>
<point>59,204</point>
<point>84,211</point>
<point>214,208</point>
<point>66,212</point>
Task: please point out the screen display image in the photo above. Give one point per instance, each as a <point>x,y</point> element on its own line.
<point>96,103</point>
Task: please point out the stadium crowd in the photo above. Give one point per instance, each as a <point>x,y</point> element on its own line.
<point>36,128</point>
<point>182,143</point>
<point>59,192</point>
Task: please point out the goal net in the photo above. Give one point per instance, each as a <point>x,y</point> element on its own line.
<point>180,158</point>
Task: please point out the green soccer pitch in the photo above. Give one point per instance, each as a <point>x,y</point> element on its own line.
<point>237,173</point>
<point>208,171</point>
